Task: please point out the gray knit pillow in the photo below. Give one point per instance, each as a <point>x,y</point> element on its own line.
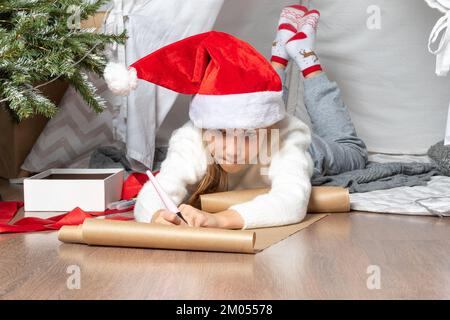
<point>441,155</point>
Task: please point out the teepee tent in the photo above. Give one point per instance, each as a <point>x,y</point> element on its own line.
<point>376,52</point>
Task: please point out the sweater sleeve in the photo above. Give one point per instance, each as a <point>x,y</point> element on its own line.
<point>290,171</point>
<point>185,164</point>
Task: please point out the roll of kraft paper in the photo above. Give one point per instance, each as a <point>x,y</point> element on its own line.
<point>156,236</point>
<point>322,199</point>
<point>149,235</point>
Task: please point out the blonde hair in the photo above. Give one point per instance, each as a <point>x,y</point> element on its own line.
<point>215,180</point>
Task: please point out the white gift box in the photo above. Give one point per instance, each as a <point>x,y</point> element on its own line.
<point>65,189</point>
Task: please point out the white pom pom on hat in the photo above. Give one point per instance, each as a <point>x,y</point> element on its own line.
<point>120,79</point>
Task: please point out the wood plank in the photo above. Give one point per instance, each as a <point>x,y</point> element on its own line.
<point>328,260</point>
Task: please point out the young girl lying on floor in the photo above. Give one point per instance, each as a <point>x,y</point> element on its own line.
<point>237,115</point>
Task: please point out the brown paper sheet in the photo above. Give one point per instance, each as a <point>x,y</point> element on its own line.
<point>322,199</point>
<point>265,237</point>
<point>149,235</point>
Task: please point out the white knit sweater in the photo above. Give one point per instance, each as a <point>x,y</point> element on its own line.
<point>289,174</point>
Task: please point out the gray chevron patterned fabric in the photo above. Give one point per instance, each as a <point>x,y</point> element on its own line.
<point>73,133</point>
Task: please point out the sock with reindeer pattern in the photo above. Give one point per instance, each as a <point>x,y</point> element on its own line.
<point>287,26</point>
<point>301,46</point>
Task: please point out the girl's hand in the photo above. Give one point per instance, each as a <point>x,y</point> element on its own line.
<point>166,217</point>
<point>198,218</point>
<point>228,219</point>
<point>194,217</point>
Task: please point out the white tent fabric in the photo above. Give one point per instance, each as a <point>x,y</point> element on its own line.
<point>377,52</point>
<point>442,52</point>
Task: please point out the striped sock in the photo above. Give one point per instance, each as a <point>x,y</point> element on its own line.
<point>287,26</point>
<point>301,46</point>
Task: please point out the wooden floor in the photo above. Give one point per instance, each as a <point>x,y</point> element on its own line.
<point>329,259</point>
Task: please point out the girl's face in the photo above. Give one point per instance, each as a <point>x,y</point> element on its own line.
<point>234,149</point>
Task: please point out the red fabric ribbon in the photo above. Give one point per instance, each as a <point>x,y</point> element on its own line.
<point>74,217</point>
<point>8,209</point>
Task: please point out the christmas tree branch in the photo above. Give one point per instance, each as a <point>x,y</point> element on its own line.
<point>37,46</point>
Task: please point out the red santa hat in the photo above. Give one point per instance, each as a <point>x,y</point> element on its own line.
<point>234,85</point>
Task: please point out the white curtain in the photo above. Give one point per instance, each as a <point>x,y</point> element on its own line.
<point>441,34</point>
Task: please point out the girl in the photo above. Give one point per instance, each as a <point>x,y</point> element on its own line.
<point>335,147</point>
<point>239,136</point>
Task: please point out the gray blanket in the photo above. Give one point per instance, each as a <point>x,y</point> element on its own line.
<point>109,157</point>
<point>378,176</point>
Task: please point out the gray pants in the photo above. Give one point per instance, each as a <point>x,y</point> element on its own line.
<point>335,147</point>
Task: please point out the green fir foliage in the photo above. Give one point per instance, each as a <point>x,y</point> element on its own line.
<point>41,40</point>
